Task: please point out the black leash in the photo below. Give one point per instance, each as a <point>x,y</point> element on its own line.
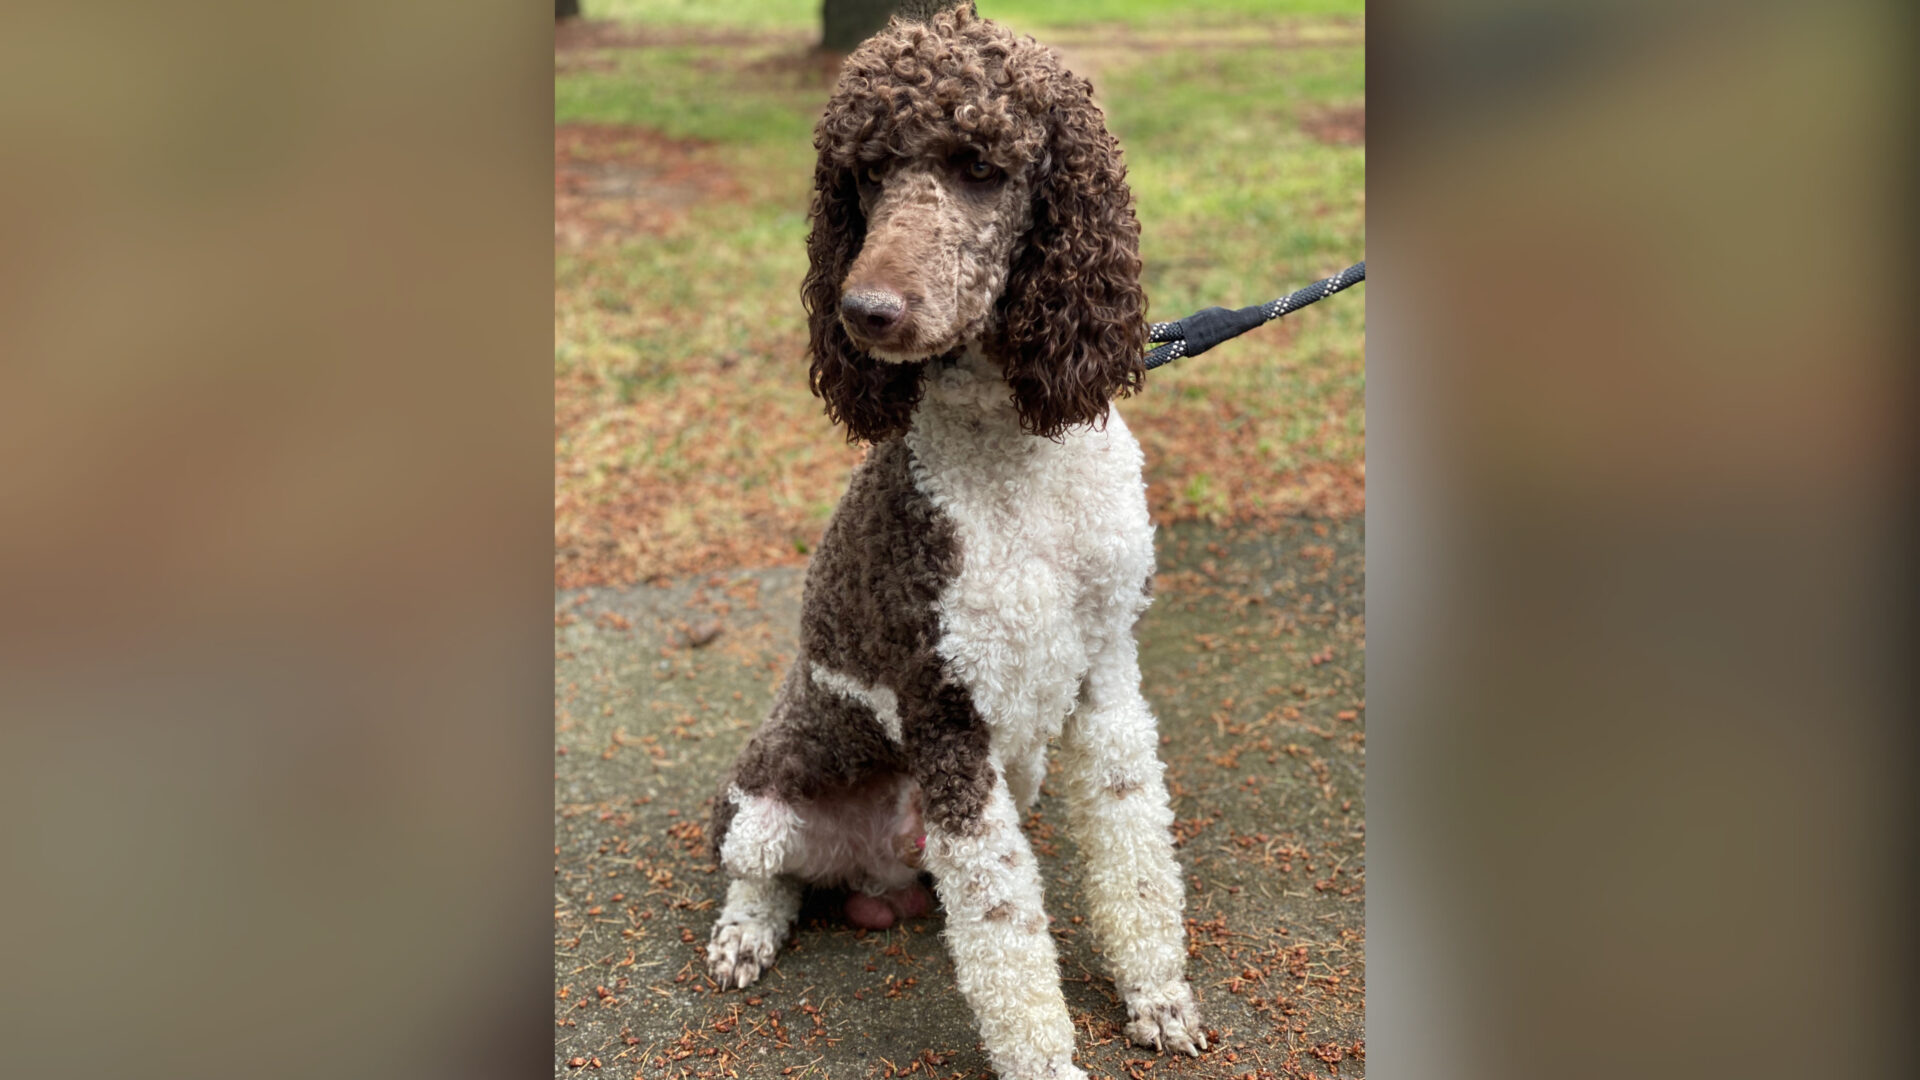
<point>1203,330</point>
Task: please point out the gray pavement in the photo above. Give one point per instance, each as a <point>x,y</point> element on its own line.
<point>1252,655</point>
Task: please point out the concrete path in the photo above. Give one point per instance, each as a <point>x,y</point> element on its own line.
<point>1252,655</point>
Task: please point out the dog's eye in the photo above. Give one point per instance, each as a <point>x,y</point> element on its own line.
<point>873,174</point>
<point>981,169</point>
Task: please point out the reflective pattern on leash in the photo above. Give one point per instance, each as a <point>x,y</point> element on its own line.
<point>1203,330</point>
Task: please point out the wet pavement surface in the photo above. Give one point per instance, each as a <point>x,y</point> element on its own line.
<point>1252,656</point>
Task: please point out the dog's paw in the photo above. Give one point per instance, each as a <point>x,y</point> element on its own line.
<point>1166,1018</point>
<point>739,951</point>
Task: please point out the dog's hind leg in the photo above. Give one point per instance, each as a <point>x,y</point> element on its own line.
<point>1003,956</point>
<point>751,928</point>
<point>1118,812</point>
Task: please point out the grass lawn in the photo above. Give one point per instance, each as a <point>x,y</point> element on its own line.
<point>684,435</point>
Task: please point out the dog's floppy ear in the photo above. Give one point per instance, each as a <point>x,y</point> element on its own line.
<point>1072,334</point>
<point>873,398</point>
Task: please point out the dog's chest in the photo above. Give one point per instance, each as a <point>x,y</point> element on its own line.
<point>1043,531</point>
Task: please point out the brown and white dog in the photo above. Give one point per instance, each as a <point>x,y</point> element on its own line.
<point>975,306</point>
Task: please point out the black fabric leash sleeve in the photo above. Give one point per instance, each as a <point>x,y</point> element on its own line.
<point>1203,330</point>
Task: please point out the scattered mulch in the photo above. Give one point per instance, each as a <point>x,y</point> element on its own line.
<point>1208,458</point>
<point>1339,126</point>
<point>1254,653</point>
<point>611,181</point>
<point>627,531</point>
<point>724,505</point>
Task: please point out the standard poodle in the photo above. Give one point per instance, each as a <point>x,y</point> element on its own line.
<point>975,305</point>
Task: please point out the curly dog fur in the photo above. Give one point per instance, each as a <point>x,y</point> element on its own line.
<point>974,308</point>
<point>1070,326</point>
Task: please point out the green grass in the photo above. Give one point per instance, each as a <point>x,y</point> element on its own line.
<point>1237,203</point>
<point>757,14</point>
<point>691,92</point>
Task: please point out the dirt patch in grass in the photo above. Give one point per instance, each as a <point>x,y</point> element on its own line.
<point>811,67</point>
<point>611,181</point>
<point>1337,126</point>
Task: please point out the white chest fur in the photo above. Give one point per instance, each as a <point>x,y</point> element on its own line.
<point>1055,549</point>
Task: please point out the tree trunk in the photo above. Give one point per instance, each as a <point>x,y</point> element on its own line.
<point>566,9</point>
<point>844,24</point>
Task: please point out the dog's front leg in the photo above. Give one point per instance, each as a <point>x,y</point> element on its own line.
<point>1117,809</point>
<point>1003,955</point>
<point>751,928</point>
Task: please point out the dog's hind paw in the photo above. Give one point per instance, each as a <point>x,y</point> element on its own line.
<point>739,951</point>
<point>1166,1018</point>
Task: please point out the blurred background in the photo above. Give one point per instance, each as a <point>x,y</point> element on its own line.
<point>1640,548</point>
<point>685,435</point>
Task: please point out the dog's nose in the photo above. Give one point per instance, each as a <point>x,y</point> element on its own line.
<point>872,312</point>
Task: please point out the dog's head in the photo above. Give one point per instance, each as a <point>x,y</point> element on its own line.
<point>968,192</point>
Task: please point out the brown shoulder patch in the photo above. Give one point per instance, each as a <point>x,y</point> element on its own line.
<point>870,611</point>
